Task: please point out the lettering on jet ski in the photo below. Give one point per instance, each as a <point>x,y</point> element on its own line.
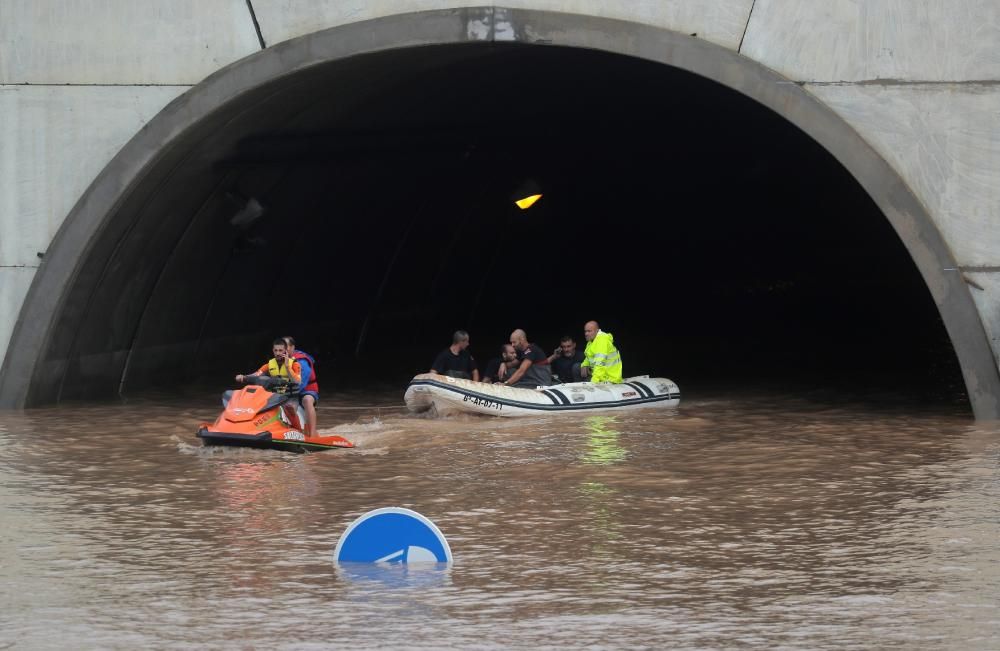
<point>483,402</point>
<point>294,436</point>
<point>263,420</point>
<point>629,394</point>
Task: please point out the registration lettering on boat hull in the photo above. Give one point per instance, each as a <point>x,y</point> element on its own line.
<point>483,402</point>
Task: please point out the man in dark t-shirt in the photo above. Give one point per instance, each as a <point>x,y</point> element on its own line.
<point>508,357</point>
<point>455,360</point>
<point>566,360</point>
<point>533,370</point>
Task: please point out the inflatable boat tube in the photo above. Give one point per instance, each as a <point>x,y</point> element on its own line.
<point>448,395</point>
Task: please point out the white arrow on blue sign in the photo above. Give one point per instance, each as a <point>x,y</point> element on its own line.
<point>392,535</point>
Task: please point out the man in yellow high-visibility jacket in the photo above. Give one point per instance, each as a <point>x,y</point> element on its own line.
<point>601,362</point>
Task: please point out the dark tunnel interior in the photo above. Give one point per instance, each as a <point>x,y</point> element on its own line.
<point>718,243</point>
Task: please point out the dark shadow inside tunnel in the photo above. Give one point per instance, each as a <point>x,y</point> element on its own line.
<point>364,207</point>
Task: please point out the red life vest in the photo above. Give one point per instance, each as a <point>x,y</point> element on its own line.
<point>310,383</point>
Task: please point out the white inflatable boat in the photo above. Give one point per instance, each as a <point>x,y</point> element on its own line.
<point>448,395</point>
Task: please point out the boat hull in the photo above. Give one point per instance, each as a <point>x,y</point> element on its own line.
<point>448,395</point>
<point>271,441</point>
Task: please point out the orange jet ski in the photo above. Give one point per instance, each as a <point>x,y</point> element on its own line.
<point>265,414</point>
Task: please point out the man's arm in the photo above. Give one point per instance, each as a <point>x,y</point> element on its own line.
<point>519,373</point>
<point>260,371</point>
<point>490,372</point>
<point>295,372</point>
<point>306,373</point>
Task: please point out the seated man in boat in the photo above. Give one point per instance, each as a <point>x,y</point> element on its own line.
<point>566,361</point>
<point>309,389</point>
<point>281,365</point>
<point>533,368</point>
<point>501,367</point>
<point>602,362</point>
<point>455,360</point>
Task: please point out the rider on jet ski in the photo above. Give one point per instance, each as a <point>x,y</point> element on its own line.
<point>281,365</point>
<point>309,389</point>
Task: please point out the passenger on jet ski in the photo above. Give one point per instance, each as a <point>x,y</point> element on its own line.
<point>281,365</point>
<point>309,393</point>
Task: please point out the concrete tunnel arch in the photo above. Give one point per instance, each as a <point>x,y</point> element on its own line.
<point>39,357</point>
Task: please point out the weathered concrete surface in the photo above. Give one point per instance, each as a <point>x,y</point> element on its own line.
<point>53,141</point>
<point>50,151</point>
<point>985,288</point>
<point>137,42</point>
<point>942,138</point>
<point>14,284</point>
<point>848,40</point>
<point>945,141</point>
<point>718,21</point>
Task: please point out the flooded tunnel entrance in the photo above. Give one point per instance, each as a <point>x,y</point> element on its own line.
<point>363,205</point>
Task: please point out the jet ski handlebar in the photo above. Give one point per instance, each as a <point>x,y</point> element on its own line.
<point>272,384</point>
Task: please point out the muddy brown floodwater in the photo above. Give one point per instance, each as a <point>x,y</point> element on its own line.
<point>734,521</point>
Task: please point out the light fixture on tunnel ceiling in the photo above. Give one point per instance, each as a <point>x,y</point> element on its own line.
<point>527,194</point>
<point>527,202</point>
<point>248,214</point>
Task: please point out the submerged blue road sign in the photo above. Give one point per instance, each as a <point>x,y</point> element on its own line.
<point>392,535</point>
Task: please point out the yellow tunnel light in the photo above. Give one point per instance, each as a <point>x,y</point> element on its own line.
<point>527,202</point>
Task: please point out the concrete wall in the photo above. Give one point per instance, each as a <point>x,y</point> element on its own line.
<point>719,21</point>
<point>53,141</point>
<point>77,80</point>
<point>919,81</point>
<point>121,42</point>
